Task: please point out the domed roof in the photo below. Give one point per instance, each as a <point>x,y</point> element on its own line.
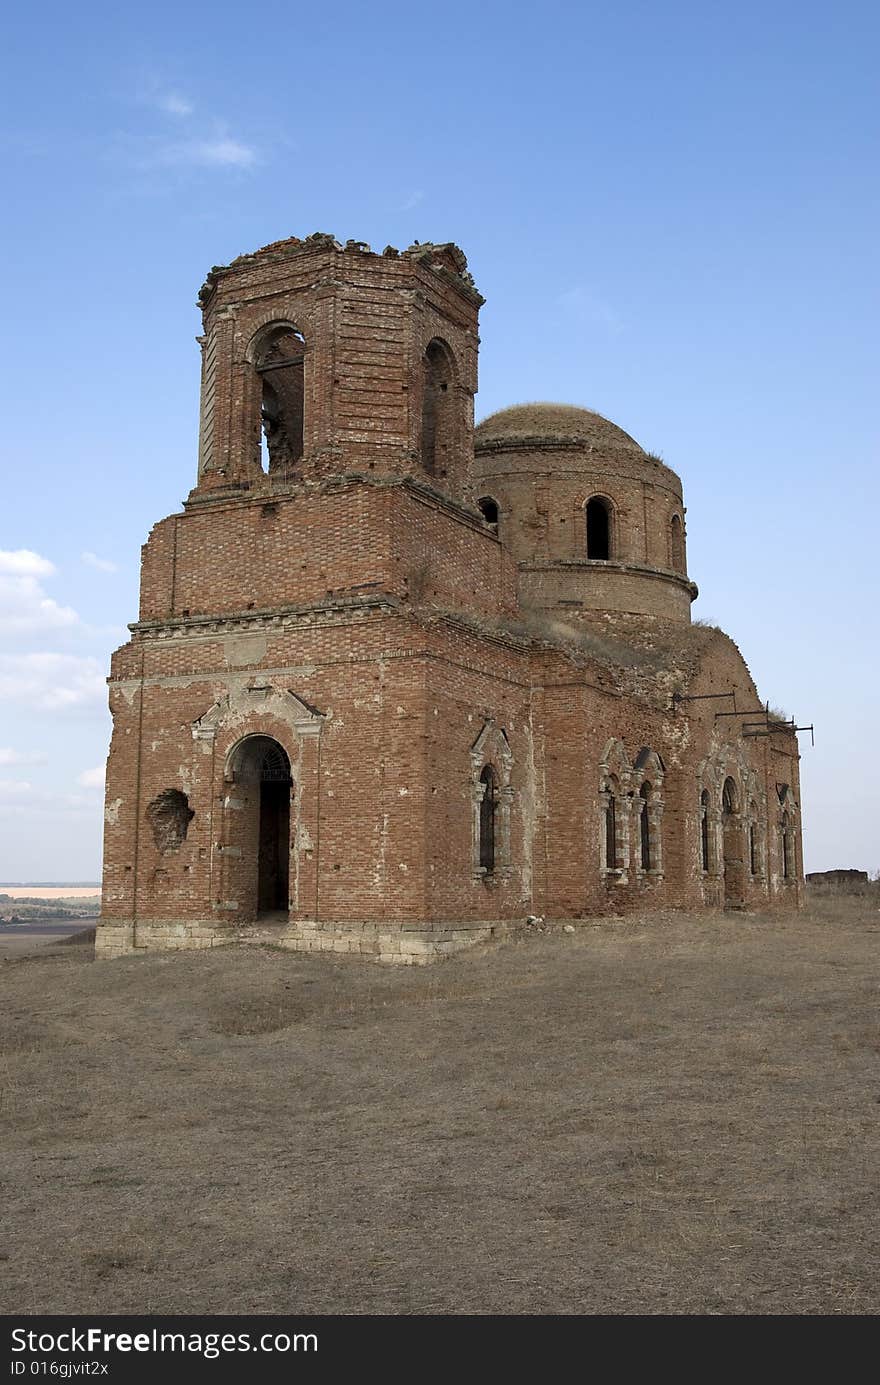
<point>534,424</point>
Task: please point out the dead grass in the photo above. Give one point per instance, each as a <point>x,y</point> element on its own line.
<point>661,1115</point>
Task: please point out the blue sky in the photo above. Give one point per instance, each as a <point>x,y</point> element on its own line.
<point>672,210</point>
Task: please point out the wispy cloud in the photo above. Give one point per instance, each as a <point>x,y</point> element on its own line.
<point>25,606</point>
<point>583,303</point>
<point>413,200</point>
<point>9,757</point>
<point>52,682</point>
<point>219,151</point>
<point>92,778</point>
<point>23,562</point>
<point>172,103</point>
<point>100,564</point>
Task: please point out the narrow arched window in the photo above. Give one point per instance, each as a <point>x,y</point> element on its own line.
<point>489,510</point>
<point>280,365</point>
<point>704,829</point>
<point>753,849</point>
<point>728,798</point>
<point>645,825</point>
<point>676,544</point>
<point>436,408</point>
<point>488,804</point>
<point>610,830</point>
<point>598,529</point>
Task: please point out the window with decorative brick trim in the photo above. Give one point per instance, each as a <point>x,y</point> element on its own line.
<point>644,827</point>
<point>488,806</point>
<point>491,800</point>
<point>755,841</point>
<point>788,858</point>
<point>648,772</point>
<point>615,805</point>
<point>610,797</point>
<point>705,835</point>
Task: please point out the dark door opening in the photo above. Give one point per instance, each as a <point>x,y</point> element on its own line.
<point>273,885</point>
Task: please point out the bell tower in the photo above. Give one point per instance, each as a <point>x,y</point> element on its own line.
<point>321,360</point>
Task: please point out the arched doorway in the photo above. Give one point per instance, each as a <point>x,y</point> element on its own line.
<point>260,767</point>
<point>734,854</point>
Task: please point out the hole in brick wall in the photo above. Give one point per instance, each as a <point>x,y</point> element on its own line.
<point>169,816</point>
<point>489,510</point>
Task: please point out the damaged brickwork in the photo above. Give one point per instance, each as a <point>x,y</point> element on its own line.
<point>398,684</point>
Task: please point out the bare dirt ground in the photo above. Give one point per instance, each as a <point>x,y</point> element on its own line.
<point>662,1115</point>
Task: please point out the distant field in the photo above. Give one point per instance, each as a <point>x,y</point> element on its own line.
<point>51,891</point>
<point>670,1114</point>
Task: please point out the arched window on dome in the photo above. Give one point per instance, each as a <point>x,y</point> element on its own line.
<point>598,516</point>
<point>676,544</point>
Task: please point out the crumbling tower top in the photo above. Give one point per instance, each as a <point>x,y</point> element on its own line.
<point>321,359</point>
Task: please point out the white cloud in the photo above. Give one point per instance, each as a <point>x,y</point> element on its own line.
<point>220,152</point>
<point>584,305</point>
<point>25,607</point>
<point>174,104</point>
<point>92,778</point>
<point>22,562</point>
<point>52,682</point>
<point>101,564</point>
<point>413,200</point>
<point>8,756</point>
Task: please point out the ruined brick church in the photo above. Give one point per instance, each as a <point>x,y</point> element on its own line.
<point>399,683</point>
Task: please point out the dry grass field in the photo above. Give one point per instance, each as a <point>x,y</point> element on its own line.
<point>662,1115</point>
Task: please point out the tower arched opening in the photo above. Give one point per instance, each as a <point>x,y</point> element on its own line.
<point>437,405</point>
<point>280,365</point>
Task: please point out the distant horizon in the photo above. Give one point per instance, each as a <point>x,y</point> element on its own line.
<point>50,884</point>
